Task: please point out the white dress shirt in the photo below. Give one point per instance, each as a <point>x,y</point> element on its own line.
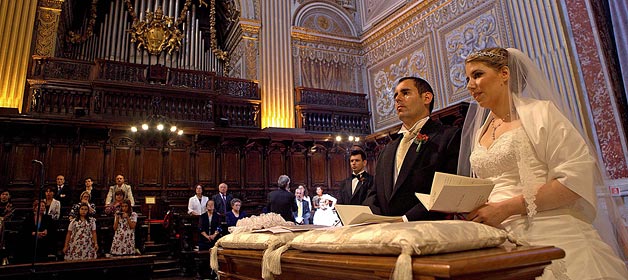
<point>196,205</point>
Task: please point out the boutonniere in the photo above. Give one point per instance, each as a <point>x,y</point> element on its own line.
<point>419,140</point>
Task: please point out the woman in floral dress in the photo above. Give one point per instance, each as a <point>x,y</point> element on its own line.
<point>124,225</point>
<point>80,241</point>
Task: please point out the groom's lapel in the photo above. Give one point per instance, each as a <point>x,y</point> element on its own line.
<point>429,129</point>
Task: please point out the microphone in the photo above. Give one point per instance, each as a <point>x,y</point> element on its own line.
<point>38,162</point>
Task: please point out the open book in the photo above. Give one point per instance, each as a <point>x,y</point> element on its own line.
<point>456,194</point>
<point>360,214</point>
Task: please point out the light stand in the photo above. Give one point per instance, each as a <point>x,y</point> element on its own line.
<point>150,201</point>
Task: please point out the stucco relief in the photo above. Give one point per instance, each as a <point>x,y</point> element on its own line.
<point>478,33</point>
<point>416,64</point>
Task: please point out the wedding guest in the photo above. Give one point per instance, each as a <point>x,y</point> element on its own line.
<point>116,205</point>
<point>356,187</point>
<point>85,199</point>
<point>281,200</point>
<point>89,187</point>
<point>63,192</point>
<point>120,185</point>
<point>235,214</point>
<point>6,207</point>
<point>53,206</point>
<point>124,226</point>
<point>210,227</point>
<point>306,196</point>
<point>302,215</point>
<point>196,203</point>
<point>326,214</point>
<point>36,225</point>
<point>6,212</point>
<point>80,240</point>
<point>222,200</point>
<point>524,139</point>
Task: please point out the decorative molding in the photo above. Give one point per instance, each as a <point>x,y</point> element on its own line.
<point>46,33</point>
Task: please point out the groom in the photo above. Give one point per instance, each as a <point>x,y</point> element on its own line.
<point>408,163</point>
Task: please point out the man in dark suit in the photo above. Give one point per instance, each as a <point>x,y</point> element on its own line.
<point>355,188</point>
<point>64,192</point>
<point>222,200</point>
<point>281,200</point>
<point>302,215</point>
<point>407,164</point>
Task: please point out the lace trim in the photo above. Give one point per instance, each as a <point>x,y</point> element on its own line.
<point>524,156</point>
<point>558,270</point>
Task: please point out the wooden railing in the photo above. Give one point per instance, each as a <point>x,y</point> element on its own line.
<point>328,111</point>
<point>121,92</point>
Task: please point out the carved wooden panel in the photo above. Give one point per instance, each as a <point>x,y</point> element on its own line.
<point>299,169</point>
<point>122,158</point>
<point>179,167</point>
<point>206,167</point>
<point>91,160</point>
<point>276,162</point>
<point>151,167</point>
<point>254,164</point>
<point>59,160</point>
<point>231,168</point>
<point>21,158</point>
<point>339,167</point>
<point>319,168</point>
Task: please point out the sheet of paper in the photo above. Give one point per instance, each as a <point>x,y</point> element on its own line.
<point>456,194</point>
<point>361,214</point>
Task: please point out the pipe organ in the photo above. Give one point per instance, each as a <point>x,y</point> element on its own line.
<point>112,41</point>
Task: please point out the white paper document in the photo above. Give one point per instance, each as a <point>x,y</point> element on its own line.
<point>456,194</point>
<point>360,214</point>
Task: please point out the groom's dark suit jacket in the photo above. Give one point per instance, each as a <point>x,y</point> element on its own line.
<point>438,153</point>
<point>361,190</point>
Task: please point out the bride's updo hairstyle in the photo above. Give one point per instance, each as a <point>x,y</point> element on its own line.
<point>497,58</point>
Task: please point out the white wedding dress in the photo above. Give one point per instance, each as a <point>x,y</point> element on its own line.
<point>587,256</point>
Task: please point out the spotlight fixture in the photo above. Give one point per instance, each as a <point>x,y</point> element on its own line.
<point>157,123</point>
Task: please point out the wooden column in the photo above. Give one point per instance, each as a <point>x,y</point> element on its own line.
<point>47,23</point>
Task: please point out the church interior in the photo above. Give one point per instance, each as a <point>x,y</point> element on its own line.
<point>175,93</point>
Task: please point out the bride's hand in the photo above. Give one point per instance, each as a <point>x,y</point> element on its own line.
<point>492,214</point>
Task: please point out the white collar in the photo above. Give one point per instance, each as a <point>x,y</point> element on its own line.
<point>417,125</point>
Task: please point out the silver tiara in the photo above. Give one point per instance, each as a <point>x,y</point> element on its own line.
<point>481,53</point>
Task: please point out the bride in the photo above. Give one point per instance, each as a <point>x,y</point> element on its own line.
<point>544,171</point>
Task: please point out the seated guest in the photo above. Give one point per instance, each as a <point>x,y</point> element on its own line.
<point>196,203</point>
<point>235,214</point>
<point>124,226</point>
<point>85,199</point>
<point>30,233</point>
<point>209,227</point>
<point>80,241</point>
<point>116,205</point>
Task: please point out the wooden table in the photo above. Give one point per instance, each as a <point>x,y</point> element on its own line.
<point>492,263</point>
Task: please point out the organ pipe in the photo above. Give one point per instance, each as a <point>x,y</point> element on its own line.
<point>112,41</point>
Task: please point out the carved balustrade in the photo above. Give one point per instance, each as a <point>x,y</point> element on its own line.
<point>119,92</point>
<point>327,111</point>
